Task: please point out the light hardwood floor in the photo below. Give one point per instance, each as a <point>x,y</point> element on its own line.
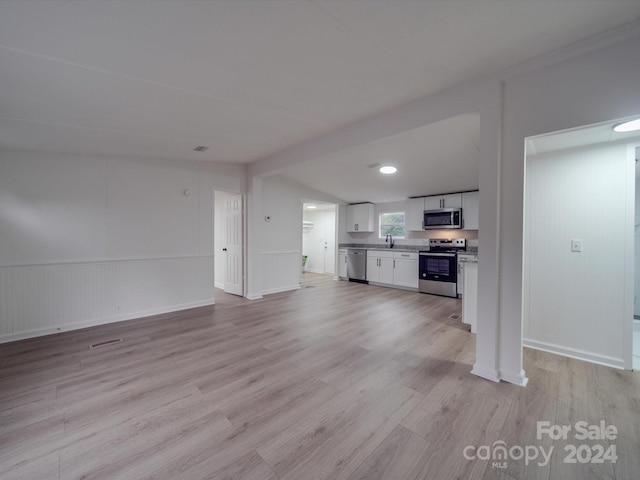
<point>334,381</point>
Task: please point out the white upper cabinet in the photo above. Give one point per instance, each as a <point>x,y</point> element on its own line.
<point>415,214</point>
<point>360,218</point>
<point>471,210</point>
<point>453,200</point>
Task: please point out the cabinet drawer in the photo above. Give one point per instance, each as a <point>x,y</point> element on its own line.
<point>380,253</point>
<point>406,255</point>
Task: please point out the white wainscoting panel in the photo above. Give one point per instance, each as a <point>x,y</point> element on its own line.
<point>281,271</point>
<point>576,302</point>
<point>42,299</point>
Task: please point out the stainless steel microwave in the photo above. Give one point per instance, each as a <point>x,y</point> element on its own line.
<point>442,218</point>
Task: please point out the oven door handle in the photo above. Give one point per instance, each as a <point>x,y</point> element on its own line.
<point>437,254</point>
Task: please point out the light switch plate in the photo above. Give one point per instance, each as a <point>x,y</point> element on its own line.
<point>576,245</point>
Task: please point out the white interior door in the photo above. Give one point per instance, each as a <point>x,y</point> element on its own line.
<point>233,248</point>
<point>329,242</point>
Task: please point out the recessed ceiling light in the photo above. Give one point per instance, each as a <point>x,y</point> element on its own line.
<point>388,169</point>
<point>311,206</point>
<point>629,126</point>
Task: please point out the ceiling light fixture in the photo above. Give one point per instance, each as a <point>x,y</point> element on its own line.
<point>388,169</point>
<point>629,126</point>
<point>311,206</point>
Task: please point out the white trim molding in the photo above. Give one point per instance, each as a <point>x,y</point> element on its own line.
<point>575,353</point>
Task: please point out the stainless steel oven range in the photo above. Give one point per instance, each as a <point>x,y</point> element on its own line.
<point>439,267</point>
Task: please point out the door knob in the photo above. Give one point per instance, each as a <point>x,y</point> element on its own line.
<point>224,249</point>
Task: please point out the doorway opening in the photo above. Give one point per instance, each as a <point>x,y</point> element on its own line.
<point>578,252</point>
<point>228,242</point>
<point>636,233</point>
<point>319,235</point>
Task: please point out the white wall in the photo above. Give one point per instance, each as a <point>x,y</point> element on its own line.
<point>89,240</point>
<point>276,260</point>
<point>575,302</point>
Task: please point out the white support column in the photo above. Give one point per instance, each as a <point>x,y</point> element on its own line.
<point>487,336</point>
<point>255,220</point>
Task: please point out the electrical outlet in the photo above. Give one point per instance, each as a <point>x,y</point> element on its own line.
<point>576,245</point>
<point>267,218</point>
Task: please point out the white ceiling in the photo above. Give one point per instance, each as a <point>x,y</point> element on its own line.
<point>439,158</point>
<point>249,78</point>
<point>583,137</point>
<point>578,137</point>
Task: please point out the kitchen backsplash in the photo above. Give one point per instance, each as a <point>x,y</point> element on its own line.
<point>413,238</point>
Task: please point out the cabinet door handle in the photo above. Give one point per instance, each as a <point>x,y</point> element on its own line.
<point>394,264</point>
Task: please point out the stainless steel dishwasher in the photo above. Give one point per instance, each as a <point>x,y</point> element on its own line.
<point>357,265</point>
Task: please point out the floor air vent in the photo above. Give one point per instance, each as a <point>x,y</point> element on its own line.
<point>454,316</point>
<point>106,343</point>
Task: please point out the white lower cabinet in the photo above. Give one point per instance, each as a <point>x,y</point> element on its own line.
<point>342,263</point>
<point>380,266</point>
<point>393,268</point>
<point>405,271</point>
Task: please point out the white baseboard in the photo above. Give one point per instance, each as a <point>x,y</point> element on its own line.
<point>281,289</point>
<point>40,332</point>
<point>253,296</point>
<point>489,374</point>
<point>515,378</point>
<point>574,353</point>
<point>312,270</point>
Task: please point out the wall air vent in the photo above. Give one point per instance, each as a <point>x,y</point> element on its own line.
<point>201,148</point>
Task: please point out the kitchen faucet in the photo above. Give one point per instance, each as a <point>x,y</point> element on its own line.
<point>389,238</point>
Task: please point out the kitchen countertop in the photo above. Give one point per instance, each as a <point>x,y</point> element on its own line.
<point>401,248</point>
<point>382,246</point>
